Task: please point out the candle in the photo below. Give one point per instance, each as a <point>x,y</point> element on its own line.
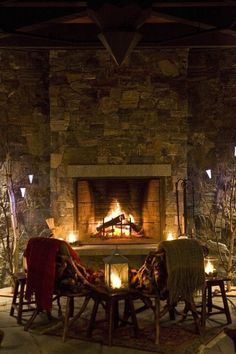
<point>169,236</point>
<point>71,238</point>
<point>115,281</point>
<point>210,269</point>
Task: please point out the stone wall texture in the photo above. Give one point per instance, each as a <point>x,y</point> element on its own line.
<point>25,128</point>
<point>212,123</point>
<point>167,106</point>
<point>104,114</point>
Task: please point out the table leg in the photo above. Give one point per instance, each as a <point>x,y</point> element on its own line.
<point>157,320</point>
<point>110,320</point>
<point>224,298</point>
<point>133,316</point>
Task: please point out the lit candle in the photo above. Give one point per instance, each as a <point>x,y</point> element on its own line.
<point>71,238</point>
<point>115,281</point>
<point>209,268</point>
<point>169,236</point>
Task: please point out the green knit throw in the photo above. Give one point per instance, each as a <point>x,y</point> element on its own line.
<point>185,268</point>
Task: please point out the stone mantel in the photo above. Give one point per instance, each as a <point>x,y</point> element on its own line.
<point>106,171</point>
<point>124,249</point>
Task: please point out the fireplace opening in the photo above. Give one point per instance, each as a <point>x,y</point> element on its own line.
<point>116,210</point>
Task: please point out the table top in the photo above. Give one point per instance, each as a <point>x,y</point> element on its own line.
<point>216,280</point>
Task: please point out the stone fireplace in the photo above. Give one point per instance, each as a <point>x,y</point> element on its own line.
<point>119,204</point>
<point>118,141</point>
<point>118,210</point>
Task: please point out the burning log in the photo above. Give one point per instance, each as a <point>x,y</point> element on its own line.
<point>130,225</point>
<point>111,222</point>
<point>135,227</point>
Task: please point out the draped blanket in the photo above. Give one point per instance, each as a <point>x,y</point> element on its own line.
<point>185,267</point>
<point>41,269</point>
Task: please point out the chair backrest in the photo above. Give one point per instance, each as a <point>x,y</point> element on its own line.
<point>40,255</point>
<point>185,268</point>
<point>52,266</point>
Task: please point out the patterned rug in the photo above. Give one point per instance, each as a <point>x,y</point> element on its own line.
<point>175,338</point>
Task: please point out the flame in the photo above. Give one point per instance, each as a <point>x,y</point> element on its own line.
<point>71,238</point>
<point>209,267</point>
<point>170,236</point>
<point>115,281</point>
<point>115,211</point>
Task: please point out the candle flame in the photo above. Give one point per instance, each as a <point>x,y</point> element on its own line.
<point>209,267</point>
<point>71,238</point>
<point>170,236</point>
<point>115,281</point>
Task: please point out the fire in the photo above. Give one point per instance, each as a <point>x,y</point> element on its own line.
<point>115,281</point>
<point>209,269</point>
<point>115,212</point>
<point>71,238</point>
<point>170,236</point>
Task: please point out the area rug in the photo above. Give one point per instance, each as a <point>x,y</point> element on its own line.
<point>175,338</point>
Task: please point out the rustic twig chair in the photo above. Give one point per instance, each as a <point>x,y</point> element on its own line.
<point>175,272</point>
<point>44,279</point>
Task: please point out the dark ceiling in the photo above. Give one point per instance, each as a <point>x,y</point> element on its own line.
<point>76,24</point>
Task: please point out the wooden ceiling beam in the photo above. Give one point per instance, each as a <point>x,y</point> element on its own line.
<point>182,20</point>
<point>43,24</point>
<point>161,4</point>
<point>57,4</point>
<point>184,4</point>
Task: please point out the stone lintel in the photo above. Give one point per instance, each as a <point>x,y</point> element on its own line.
<point>103,171</point>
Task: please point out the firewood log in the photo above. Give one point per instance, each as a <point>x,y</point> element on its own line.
<point>111,222</point>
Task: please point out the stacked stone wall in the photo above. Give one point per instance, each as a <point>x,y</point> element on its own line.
<point>105,114</point>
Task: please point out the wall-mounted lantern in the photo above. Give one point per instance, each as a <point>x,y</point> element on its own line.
<point>31,177</point>
<point>22,191</point>
<point>208,172</point>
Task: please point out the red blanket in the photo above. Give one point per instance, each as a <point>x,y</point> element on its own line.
<point>41,255</point>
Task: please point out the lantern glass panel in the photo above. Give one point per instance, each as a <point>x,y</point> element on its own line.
<point>211,266</point>
<point>116,272</point>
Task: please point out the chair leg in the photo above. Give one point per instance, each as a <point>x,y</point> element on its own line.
<point>157,320</point>
<point>31,320</point>
<point>93,317</point>
<point>21,301</point>
<point>203,307</point>
<point>14,300</point>
<point>190,306</point>
<point>66,320</point>
<point>67,324</point>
